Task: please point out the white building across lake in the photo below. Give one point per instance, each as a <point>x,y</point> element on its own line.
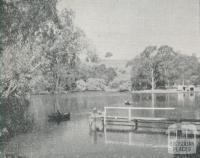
<point>186,88</point>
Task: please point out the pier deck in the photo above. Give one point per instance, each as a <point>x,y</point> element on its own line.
<point>130,120</point>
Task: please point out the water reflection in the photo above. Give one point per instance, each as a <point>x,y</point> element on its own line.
<point>149,139</point>
<point>69,139</point>
<point>157,141</point>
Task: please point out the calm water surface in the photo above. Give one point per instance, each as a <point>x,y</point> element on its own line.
<point>74,139</point>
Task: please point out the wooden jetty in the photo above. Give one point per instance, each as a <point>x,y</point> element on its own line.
<point>132,121</point>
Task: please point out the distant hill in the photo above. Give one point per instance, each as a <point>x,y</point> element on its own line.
<point>114,63</point>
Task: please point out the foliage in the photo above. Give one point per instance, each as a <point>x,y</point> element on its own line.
<point>96,71</point>
<point>81,85</point>
<point>60,49</point>
<point>125,86</point>
<point>20,21</point>
<point>108,74</point>
<point>196,78</point>
<point>41,48</point>
<point>14,116</point>
<point>95,84</point>
<point>21,18</point>
<point>145,68</point>
<point>186,69</point>
<point>115,84</point>
<point>92,56</point>
<point>163,67</point>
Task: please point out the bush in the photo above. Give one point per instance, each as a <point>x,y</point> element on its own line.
<point>81,85</point>
<point>125,86</point>
<point>95,84</point>
<point>14,116</point>
<point>114,84</point>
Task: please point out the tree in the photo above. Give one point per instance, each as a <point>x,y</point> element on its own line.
<point>38,42</point>
<point>186,68</point>
<point>145,67</point>
<point>158,67</point>
<point>196,78</point>
<point>166,57</point>
<point>91,53</point>
<point>96,71</point>
<point>20,20</point>
<point>92,56</point>
<point>102,72</point>
<point>60,47</point>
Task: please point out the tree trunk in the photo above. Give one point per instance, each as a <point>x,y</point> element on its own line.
<point>183,79</point>
<point>57,85</point>
<point>12,87</point>
<point>152,79</point>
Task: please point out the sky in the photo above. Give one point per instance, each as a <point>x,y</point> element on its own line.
<point>126,27</point>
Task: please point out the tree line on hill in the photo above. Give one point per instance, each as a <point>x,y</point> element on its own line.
<point>162,67</point>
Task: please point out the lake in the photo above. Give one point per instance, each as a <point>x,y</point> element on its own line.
<point>74,139</point>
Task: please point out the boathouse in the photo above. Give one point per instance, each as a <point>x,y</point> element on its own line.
<point>190,88</point>
<point>186,88</point>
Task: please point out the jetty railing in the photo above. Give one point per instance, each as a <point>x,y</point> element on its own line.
<point>129,110</point>
<point>128,118</point>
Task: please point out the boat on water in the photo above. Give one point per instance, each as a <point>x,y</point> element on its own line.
<point>128,103</point>
<point>59,116</point>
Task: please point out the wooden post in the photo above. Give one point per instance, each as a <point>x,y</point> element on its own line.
<point>136,124</point>
<point>153,100</point>
<point>186,133</point>
<point>102,121</point>
<point>152,79</point>
<point>129,114</point>
<point>105,135</point>
<point>104,116</point>
<point>130,138</point>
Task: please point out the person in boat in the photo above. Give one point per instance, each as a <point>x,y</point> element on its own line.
<point>94,110</point>
<point>59,113</point>
<point>127,102</point>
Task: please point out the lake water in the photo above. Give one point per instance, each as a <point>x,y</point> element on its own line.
<point>74,139</point>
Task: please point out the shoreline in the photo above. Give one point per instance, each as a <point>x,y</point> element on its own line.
<point>72,92</point>
<point>162,91</point>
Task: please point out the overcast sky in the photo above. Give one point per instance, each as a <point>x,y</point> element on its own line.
<point>125,27</point>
